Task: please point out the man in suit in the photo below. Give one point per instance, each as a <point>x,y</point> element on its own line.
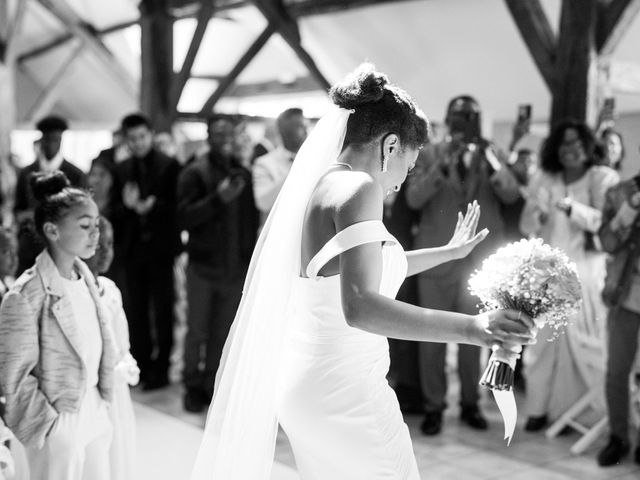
<point>449,175</point>
<point>147,241</point>
<point>216,207</point>
<point>48,158</point>
<point>271,170</point>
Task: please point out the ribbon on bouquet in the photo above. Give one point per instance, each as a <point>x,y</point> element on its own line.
<point>507,406</point>
<point>498,377</point>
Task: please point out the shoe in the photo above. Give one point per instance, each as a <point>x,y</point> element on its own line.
<point>535,424</point>
<point>473,417</point>
<point>614,451</point>
<point>155,382</point>
<point>432,423</point>
<point>194,401</point>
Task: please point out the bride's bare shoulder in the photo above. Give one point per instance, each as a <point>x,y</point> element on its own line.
<point>355,197</point>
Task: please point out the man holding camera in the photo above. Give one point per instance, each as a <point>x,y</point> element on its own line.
<point>216,208</point>
<point>448,176</point>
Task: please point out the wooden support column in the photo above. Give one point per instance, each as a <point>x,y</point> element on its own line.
<point>157,63</point>
<point>575,61</point>
<point>537,34</point>
<point>568,64</point>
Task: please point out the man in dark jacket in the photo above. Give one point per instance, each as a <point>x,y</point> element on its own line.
<point>216,207</point>
<point>147,241</point>
<point>620,236</point>
<point>49,158</point>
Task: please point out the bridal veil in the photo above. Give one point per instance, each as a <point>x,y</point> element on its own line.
<point>242,423</point>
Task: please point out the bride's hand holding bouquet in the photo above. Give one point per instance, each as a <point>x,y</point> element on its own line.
<point>536,281</point>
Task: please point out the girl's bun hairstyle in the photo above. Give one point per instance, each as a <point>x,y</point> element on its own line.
<point>363,85</point>
<point>48,184</point>
<point>55,197</point>
<point>379,108</point>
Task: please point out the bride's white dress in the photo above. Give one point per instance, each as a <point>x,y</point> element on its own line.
<point>335,404</point>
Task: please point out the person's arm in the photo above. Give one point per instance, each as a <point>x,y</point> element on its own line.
<point>265,187</point>
<point>464,240</point>
<point>425,181</point>
<point>195,205</point>
<point>165,201</point>
<point>503,182</point>
<point>617,223</point>
<point>29,414</point>
<point>366,309</point>
<point>589,217</point>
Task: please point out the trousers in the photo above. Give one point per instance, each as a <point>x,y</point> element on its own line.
<point>77,447</point>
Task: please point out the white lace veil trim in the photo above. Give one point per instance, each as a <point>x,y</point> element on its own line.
<point>242,424</point>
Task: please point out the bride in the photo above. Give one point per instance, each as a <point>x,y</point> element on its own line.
<point>308,348</point>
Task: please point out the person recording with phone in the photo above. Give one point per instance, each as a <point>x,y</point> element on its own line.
<point>448,175</point>
<point>217,209</point>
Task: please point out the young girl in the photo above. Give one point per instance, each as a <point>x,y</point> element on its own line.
<point>126,369</point>
<point>57,355</point>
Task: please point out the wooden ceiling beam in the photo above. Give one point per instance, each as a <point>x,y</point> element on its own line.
<point>534,27</point>
<point>64,39</point>
<point>50,93</point>
<point>192,8</point>
<point>273,87</point>
<point>14,30</point>
<point>228,80</point>
<point>181,78</point>
<point>76,25</point>
<point>286,26</point>
<point>614,19</point>
<point>319,7</point>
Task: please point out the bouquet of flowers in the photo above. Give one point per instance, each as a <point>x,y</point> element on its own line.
<point>531,277</point>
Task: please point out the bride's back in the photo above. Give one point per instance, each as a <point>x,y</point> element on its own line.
<point>334,195</point>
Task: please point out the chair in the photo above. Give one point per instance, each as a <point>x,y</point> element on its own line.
<point>592,399</point>
<point>587,340</point>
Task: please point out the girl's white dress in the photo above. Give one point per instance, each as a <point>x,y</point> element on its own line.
<point>335,405</point>
<point>123,449</point>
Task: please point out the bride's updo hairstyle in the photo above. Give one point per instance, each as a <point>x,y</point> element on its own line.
<point>55,198</point>
<point>379,107</point>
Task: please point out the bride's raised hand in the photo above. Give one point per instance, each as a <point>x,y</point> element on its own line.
<point>465,238</point>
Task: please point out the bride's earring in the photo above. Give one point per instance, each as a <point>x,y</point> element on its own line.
<point>396,188</point>
<point>385,160</point>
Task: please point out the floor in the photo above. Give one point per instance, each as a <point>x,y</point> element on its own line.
<point>168,438</point>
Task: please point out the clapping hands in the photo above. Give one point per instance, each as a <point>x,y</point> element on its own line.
<point>131,199</point>
<point>230,188</point>
<point>465,238</point>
